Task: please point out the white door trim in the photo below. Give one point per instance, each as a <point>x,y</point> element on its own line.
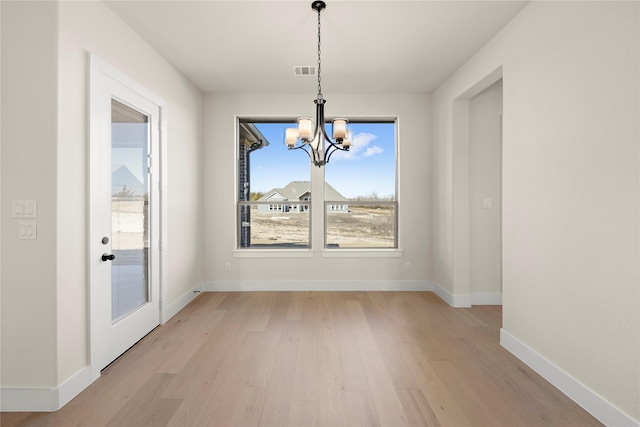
<point>100,73</point>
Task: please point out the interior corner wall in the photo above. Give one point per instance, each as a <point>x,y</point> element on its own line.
<point>221,111</point>
<point>571,188</point>
<point>29,128</point>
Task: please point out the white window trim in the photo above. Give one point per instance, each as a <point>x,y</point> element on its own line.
<point>324,252</point>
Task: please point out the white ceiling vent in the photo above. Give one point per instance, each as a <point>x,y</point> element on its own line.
<point>304,70</point>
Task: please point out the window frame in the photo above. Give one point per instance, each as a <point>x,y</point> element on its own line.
<point>322,248</point>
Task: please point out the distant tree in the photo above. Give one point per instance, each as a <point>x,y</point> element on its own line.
<point>374,197</point>
<point>255,195</point>
<point>125,192</point>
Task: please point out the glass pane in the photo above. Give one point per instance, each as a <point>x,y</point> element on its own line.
<point>356,225</point>
<point>360,189</point>
<point>129,209</point>
<point>276,225</point>
<point>368,170</point>
<point>271,174</point>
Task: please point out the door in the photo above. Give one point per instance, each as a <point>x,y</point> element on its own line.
<point>124,215</point>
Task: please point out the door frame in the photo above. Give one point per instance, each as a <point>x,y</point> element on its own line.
<point>462,295</point>
<point>100,74</point>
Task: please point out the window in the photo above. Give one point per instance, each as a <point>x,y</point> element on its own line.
<point>274,201</point>
<point>360,190</point>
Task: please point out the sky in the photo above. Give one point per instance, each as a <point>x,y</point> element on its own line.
<point>128,140</point>
<point>367,168</point>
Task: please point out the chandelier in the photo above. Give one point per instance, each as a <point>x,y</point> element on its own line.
<point>312,137</point>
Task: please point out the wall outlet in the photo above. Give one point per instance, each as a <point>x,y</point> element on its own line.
<point>227,266</point>
<point>407,266</point>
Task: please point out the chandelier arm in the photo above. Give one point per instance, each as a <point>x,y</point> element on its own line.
<point>303,148</point>
<point>333,149</point>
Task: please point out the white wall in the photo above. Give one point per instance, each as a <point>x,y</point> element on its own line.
<point>570,188</point>
<point>485,182</point>
<point>45,323</point>
<point>220,190</point>
<point>29,128</point>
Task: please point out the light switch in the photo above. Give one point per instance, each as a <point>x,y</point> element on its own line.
<point>486,203</point>
<point>30,209</point>
<point>17,208</point>
<point>25,209</point>
<point>27,230</point>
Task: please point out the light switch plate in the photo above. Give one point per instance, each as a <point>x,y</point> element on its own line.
<point>25,209</point>
<point>486,204</point>
<point>27,230</point>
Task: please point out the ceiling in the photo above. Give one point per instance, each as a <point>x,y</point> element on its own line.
<point>241,46</point>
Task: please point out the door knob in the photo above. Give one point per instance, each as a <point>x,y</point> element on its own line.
<point>108,257</point>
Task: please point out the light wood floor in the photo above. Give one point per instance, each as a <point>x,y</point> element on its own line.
<point>319,359</point>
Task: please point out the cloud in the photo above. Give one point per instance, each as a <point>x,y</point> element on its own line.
<point>372,151</point>
<point>361,147</point>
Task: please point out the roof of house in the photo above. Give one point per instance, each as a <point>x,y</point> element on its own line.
<point>295,190</point>
<point>122,176</point>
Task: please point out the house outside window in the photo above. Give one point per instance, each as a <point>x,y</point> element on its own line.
<point>274,204</point>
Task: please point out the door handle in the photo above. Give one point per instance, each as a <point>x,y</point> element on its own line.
<point>108,257</point>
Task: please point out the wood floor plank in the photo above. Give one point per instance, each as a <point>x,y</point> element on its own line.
<point>361,411</point>
<point>417,409</point>
<point>266,354</point>
<point>331,405</point>
<point>277,404</point>
<point>444,404</point>
<point>192,342</point>
<point>305,384</point>
<point>234,369</point>
<point>473,405</point>
<point>247,407</point>
<point>259,312</point>
<point>353,375</point>
<point>303,413</point>
<point>324,359</point>
<point>145,408</point>
<point>387,404</point>
<point>388,331</point>
<point>294,311</point>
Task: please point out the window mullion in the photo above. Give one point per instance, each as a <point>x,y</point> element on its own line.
<point>317,208</point>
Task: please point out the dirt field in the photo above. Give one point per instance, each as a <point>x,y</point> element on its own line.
<point>127,222</point>
<point>361,227</point>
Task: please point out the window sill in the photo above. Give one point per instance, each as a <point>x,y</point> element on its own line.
<point>326,253</point>
<point>362,253</point>
<point>272,253</point>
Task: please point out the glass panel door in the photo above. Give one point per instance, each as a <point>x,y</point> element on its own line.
<point>129,209</point>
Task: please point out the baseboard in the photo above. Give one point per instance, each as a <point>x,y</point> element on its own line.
<point>313,285</point>
<point>44,400</point>
<point>172,309</point>
<point>574,389</point>
<point>466,300</point>
<point>457,301</point>
<point>486,298</point>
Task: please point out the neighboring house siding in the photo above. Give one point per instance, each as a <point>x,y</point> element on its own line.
<point>244,195</point>
<point>284,199</point>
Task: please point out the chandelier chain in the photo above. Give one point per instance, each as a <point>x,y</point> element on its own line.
<point>319,63</point>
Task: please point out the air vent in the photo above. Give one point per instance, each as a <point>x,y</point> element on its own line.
<point>304,70</point>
